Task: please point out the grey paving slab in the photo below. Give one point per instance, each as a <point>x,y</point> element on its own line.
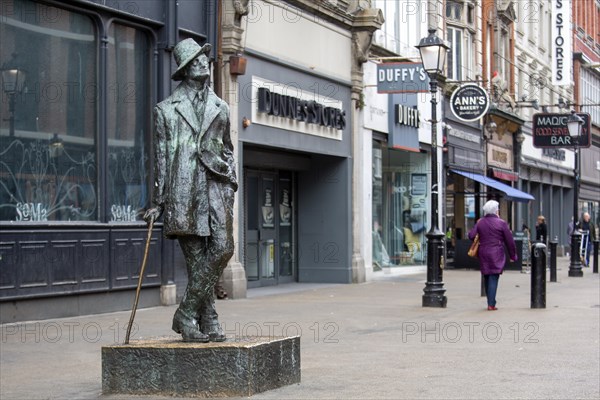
<point>367,341</point>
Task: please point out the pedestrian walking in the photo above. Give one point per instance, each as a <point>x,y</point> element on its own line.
<point>588,231</point>
<point>541,230</point>
<point>526,249</point>
<point>493,236</point>
<point>570,229</point>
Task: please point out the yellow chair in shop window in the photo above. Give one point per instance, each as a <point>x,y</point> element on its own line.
<point>413,243</point>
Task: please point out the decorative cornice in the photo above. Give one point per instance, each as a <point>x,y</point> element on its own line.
<point>366,22</point>
<point>369,19</point>
<point>506,12</point>
<point>334,12</point>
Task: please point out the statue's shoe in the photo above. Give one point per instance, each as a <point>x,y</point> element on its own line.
<point>189,332</point>
<point>214,331</point>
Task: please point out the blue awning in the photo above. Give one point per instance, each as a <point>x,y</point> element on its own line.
<point>510,192</point>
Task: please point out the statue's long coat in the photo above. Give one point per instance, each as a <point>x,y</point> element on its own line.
<point>189,152</point>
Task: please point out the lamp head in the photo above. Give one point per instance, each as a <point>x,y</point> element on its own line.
<point>491,127</point>
<point>520,137</point>
<point>13,77</point>
<point>574,123</point>
<point>56,146</point>
<point>433,51</point>
<point>13,80</point>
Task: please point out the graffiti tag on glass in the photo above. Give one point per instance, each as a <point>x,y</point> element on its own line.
<point>122,213</point>
<point>31,212</point>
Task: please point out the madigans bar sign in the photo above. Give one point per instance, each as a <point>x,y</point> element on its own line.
<point>286,106</point>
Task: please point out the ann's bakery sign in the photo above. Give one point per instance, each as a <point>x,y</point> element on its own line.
<point>469,102</point>
<point>289,107</point>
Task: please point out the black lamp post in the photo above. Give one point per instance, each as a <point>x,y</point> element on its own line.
<point>12,84</point>
<point>519,139</point>
<point>433,54</point>
<point>574,123</point>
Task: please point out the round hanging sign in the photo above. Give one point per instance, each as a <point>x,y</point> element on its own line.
<point>469,102</point>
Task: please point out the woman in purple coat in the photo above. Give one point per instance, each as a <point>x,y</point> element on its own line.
<point>493,236</point>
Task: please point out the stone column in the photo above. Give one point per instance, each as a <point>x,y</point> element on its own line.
<point>234,276</point>
<point>366,21</point>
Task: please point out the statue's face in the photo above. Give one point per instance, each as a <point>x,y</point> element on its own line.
<point>198,69</point>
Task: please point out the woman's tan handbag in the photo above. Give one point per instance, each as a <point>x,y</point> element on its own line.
<point>474,249</point>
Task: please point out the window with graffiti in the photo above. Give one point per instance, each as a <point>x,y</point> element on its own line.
<point>127,122</point>
<point>48,115</point>
<point>58,160</point>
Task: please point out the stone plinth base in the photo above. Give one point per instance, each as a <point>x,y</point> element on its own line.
<point>168,366</point>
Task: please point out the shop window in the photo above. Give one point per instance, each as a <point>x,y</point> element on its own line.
<point>128,96</point>
<point>400,207</point>
<point>48,159</point>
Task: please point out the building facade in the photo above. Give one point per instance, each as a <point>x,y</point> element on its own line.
<point>464,151</point>
<point>75,139</point>
<point>294,151</point>
<point>334,161</point>
<point>397,131</point>
<point>294,111</point>
<point>586,76</point>
<point>76,145</point>
<point>546,173</point>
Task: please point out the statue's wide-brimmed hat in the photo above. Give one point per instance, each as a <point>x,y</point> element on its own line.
<point>184,52</point>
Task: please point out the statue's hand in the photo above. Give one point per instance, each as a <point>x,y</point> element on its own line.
<point>152,214</point>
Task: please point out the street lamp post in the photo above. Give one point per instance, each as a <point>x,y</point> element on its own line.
<point>433,54</point>
<point>519,139</point>
<point>574,123</point>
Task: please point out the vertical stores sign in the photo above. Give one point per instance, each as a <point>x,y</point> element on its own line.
<point>561,42</point>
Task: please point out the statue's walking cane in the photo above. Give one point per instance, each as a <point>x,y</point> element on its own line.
<point>139,285</point>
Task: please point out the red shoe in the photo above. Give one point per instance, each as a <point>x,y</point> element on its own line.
<point>492,308</point>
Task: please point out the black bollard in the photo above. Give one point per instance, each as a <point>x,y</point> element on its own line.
<point>538,276</point>
<point>596,243</point>
<point>553,244</point>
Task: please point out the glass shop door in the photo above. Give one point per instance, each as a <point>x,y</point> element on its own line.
<point>269,255</point>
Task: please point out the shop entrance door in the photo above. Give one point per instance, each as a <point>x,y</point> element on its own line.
<point>269,255</point>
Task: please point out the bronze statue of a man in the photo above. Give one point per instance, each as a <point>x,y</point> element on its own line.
<point>195,184</point>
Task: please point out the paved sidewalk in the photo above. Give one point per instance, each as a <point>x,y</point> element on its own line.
<point>368,341</point>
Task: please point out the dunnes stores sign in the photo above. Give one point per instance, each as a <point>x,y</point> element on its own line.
<point>550,130</point>
<point>287,107</point>
<point>469,102</point>
<point>310,112</point>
